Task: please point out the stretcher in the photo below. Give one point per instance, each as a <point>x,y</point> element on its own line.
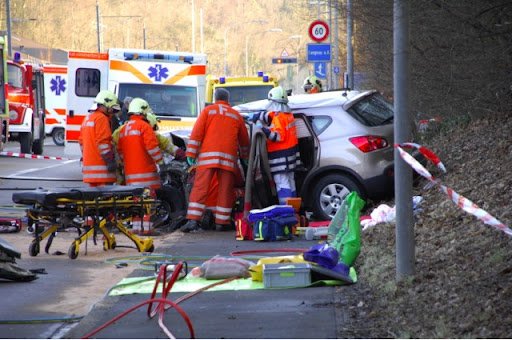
<point>90,211</point>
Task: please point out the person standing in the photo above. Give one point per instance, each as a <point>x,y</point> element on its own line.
<point>138,147</point>
<point>219,138</point>
<point>282,142</point>
<point>99,165</point>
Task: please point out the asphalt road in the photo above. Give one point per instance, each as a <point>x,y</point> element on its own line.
<point>282,313</point>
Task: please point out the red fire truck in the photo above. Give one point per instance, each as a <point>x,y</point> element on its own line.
<point>26,105</point>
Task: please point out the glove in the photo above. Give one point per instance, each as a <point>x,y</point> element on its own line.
<point>191,161</point>
<point>266,131</point>
<point>245,162</point>
<point>255,117</point>
<point>179,154</point>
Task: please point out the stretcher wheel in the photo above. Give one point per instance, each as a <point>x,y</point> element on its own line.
<point>33,249</point>
<point>105,245</point>
<point>72,253</point>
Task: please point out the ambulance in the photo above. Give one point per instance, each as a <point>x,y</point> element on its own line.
<point>173,83</point>
<point>55,89</point>
<point>241,89</point>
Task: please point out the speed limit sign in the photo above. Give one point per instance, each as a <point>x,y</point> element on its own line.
<point>318,30</point>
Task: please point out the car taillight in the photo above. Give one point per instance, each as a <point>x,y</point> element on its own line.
<point>369,143</point>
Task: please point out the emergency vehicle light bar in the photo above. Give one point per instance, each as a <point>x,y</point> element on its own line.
<point>157,56</point>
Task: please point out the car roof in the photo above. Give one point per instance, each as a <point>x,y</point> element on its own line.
<point>303,101</point>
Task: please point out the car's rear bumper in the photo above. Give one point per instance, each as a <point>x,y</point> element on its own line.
<point>380,186</point>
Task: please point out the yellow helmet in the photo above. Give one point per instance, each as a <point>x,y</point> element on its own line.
<point>152,120</point>
<point>138,106</point>
<point>278,94</point>
<point>108,99</point>
<point>311,83</point>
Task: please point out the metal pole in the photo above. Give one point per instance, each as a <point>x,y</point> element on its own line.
<point>202,29</point>
<point>226,51</point>
<point>350,53</point>
<point>98,26</point>
<point>144,35</point>
<point>328,70</point>
<point>337,48</point>
<point>193,27</point>
<point>9,33</point>
<point>405,257</point>
<point>246,55</point>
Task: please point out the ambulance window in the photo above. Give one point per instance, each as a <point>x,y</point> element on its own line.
<point>87,82</point>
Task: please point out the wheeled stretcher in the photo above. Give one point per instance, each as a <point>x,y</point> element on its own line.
<point>106,207</point>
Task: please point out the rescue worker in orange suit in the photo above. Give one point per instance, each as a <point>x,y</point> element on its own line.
<point>138,148</point>
<point>99,164</point>
<point>218,139</point>
<point>282,142</point>
<point>312,85</point>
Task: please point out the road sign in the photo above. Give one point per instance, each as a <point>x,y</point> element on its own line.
<point>336,69</point>
<point>319,52</point>
<point>320,70</point>
<point>318,30</point>
<point>284,54</point>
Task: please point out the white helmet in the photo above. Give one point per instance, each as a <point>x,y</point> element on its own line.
<point>278,94</point>
<point>138,106</point>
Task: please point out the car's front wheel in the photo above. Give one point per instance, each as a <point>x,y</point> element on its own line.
<point>329,193</point>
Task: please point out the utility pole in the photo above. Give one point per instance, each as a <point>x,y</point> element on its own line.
<point>349,81</point>
<point>405,257</point>
<point>9,32</point>
<point>98,26</point>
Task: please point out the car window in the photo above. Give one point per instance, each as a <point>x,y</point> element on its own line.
<point>319,123</point>
<point>372,110</point>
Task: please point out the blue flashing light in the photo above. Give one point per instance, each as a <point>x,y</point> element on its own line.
<point>265,79</point>
<point>158,56</point>
<point>222,80</point>
<point>17,57</point>
<point>260,73</point>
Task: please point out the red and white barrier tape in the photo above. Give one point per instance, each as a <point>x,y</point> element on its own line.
<point>29,155</point>
<point>462,202</point>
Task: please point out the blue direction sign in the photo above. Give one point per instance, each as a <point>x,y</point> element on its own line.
<point>336,69</point>
<point>319,52</point>
<point>320,70</point>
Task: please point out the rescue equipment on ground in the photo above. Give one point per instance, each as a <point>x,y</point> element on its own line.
<point>273,223</point>
<point>90,211</point>
<point>8,268</point>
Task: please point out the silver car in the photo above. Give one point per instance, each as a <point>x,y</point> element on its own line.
<point>346,144</point>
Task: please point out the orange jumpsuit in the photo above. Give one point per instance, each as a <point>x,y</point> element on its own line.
<point>218,139</point>
<point>96,143</point>
<point>140,153</point>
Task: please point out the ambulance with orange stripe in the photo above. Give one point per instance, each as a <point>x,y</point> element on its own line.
<point>55,89</point>
<point>172,82</point>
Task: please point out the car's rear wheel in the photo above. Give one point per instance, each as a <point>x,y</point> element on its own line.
<point>329,193</point>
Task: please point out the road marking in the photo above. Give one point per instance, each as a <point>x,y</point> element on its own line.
<point>18,175</point>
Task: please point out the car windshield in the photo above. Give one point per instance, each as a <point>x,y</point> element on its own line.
<point>169,101</point>
<point>244,94</point>
<point>372,110</point>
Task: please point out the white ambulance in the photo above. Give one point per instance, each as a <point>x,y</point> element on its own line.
<point>172,82</point>
<point>55,89</point>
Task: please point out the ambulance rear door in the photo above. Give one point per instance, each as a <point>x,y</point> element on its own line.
<point>87,75</point>
<point>55,89</point>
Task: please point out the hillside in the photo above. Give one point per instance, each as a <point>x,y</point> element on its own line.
<point>463,282</point>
